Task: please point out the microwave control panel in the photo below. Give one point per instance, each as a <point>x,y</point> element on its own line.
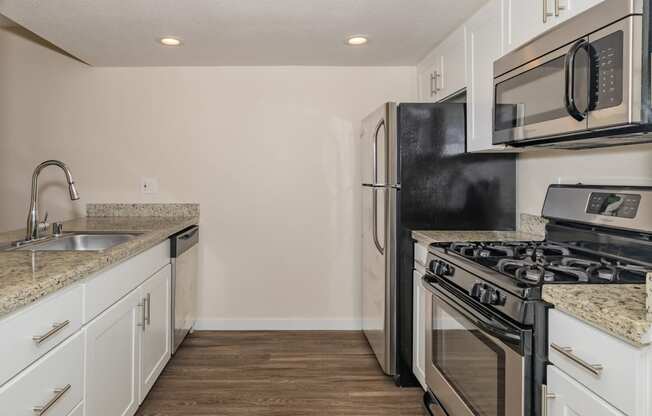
<point>607,71</point>
<point>613,205</point>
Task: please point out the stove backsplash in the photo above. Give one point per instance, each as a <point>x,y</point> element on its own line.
<point>533,224</point>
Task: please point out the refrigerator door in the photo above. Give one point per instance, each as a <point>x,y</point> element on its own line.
<point>379,215</point>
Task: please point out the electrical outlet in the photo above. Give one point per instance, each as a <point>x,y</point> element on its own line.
<point>149,185</point>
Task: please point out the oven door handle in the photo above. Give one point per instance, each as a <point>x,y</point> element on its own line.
<point>569,71</point>
<point>489,325</point>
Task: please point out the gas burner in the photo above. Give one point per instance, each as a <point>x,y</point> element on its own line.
<point>545,249</point>
<point>525,269</point>
<point>476,250</point>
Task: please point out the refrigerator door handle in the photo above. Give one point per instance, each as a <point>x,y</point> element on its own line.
<point>375,187</point>
<point>380,124</point>
<point>379,247</point>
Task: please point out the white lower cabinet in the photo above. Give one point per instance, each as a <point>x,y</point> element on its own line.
<point>127,347</point>
<point>156,342</point>
<point>113,359</point>
<point>53,385</point>
<point>567,397</point>
<point>419,328</point>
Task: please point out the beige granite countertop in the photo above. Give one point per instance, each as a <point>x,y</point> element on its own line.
<point>616,309</point>
<point>26,276</point>
<point>429,236</point>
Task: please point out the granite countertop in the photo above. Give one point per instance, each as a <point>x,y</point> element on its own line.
<point>430,237</point>
<point>26,276</point>
<point>616,309</point>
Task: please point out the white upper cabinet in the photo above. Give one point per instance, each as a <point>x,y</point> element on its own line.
<point>453,66</point>
<point>443,71</point>
<point>482,48</point>
<point>523,20</point>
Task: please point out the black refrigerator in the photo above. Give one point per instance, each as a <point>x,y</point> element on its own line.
<point>416,175</point>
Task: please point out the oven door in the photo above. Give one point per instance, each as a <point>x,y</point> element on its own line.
<point>476,364</point>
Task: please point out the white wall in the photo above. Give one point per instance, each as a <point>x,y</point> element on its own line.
<point>269,153</point>
<point>626,165</point>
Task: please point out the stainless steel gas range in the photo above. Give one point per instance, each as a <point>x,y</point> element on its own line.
<point>486,340</point>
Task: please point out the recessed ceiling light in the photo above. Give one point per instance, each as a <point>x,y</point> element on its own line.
<point>357,40</point>
<point>169,41</point>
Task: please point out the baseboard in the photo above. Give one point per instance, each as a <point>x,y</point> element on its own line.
<point>278,325</point>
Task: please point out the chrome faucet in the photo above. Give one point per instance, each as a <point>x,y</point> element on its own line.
<point>33,224</point>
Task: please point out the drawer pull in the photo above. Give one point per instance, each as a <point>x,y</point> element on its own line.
<point>58,393</point>
<point>567,352</point>
<point>545,396</point>
<point>56,327</point>
<point>148,302</point>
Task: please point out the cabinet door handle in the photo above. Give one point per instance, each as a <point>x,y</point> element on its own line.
<point>437,76</point>
<point>558,7</point>
<point>567,352</point>
<point>58,393</point>
<point>545,396</point>
<point>56,327</point>
<point>143,313</point>
<point>546,13</point>
<point>433,83</point>
<point>148,302</point>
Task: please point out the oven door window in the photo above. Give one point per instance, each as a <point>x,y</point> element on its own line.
<point>471,362</point>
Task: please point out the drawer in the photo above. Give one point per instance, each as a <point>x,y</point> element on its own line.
<point>420,254</point>
<point>54,381</point>
<point>106,288</point>
<point>568,397</point>
<point>613,369</point>
<point>53,319</point>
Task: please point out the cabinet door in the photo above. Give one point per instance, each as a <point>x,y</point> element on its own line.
<point>156,341</point>
<point>113,359</point>
<point>567,397</point>
<point>418,330</point>
<point>569,8</point>
<point>522,20</point>
<point>483,47</point>
<point>452,64</point>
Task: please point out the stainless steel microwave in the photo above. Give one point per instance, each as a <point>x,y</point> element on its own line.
<point>582,84</point>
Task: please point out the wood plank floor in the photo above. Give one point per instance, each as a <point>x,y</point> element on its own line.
<point>279,374</point>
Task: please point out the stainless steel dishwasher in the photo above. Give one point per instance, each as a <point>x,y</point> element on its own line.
<point>184,254</point>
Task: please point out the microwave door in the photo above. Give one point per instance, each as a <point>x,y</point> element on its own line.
<point>531,101</point>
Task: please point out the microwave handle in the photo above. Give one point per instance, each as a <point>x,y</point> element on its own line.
<point>569,71</point>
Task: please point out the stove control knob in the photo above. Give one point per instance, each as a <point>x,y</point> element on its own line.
<point>491,296</point>
<point>439,268</point>
<point>476,291</point>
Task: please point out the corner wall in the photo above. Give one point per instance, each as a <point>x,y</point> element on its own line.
<point>269,153</point>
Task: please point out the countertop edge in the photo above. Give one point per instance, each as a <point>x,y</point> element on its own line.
<point>634,330</point>
<point>41,289</point>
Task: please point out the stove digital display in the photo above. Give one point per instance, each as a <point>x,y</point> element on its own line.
<point>613,205</point>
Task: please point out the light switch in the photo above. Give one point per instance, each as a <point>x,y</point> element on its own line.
<point>149,185</point>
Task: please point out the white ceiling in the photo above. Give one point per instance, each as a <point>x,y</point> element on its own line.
<point>242,32</point>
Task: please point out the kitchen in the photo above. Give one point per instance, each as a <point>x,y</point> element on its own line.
<point>259,135</point>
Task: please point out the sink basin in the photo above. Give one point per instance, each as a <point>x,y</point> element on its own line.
<point>81,241</point>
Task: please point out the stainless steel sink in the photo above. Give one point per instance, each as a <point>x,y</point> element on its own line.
<point>81,241</point>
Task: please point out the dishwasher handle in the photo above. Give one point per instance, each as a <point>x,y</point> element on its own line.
<point>183,241</point>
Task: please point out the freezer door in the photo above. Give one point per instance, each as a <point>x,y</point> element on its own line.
<point>379,273</point>
<point>379,150</point>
